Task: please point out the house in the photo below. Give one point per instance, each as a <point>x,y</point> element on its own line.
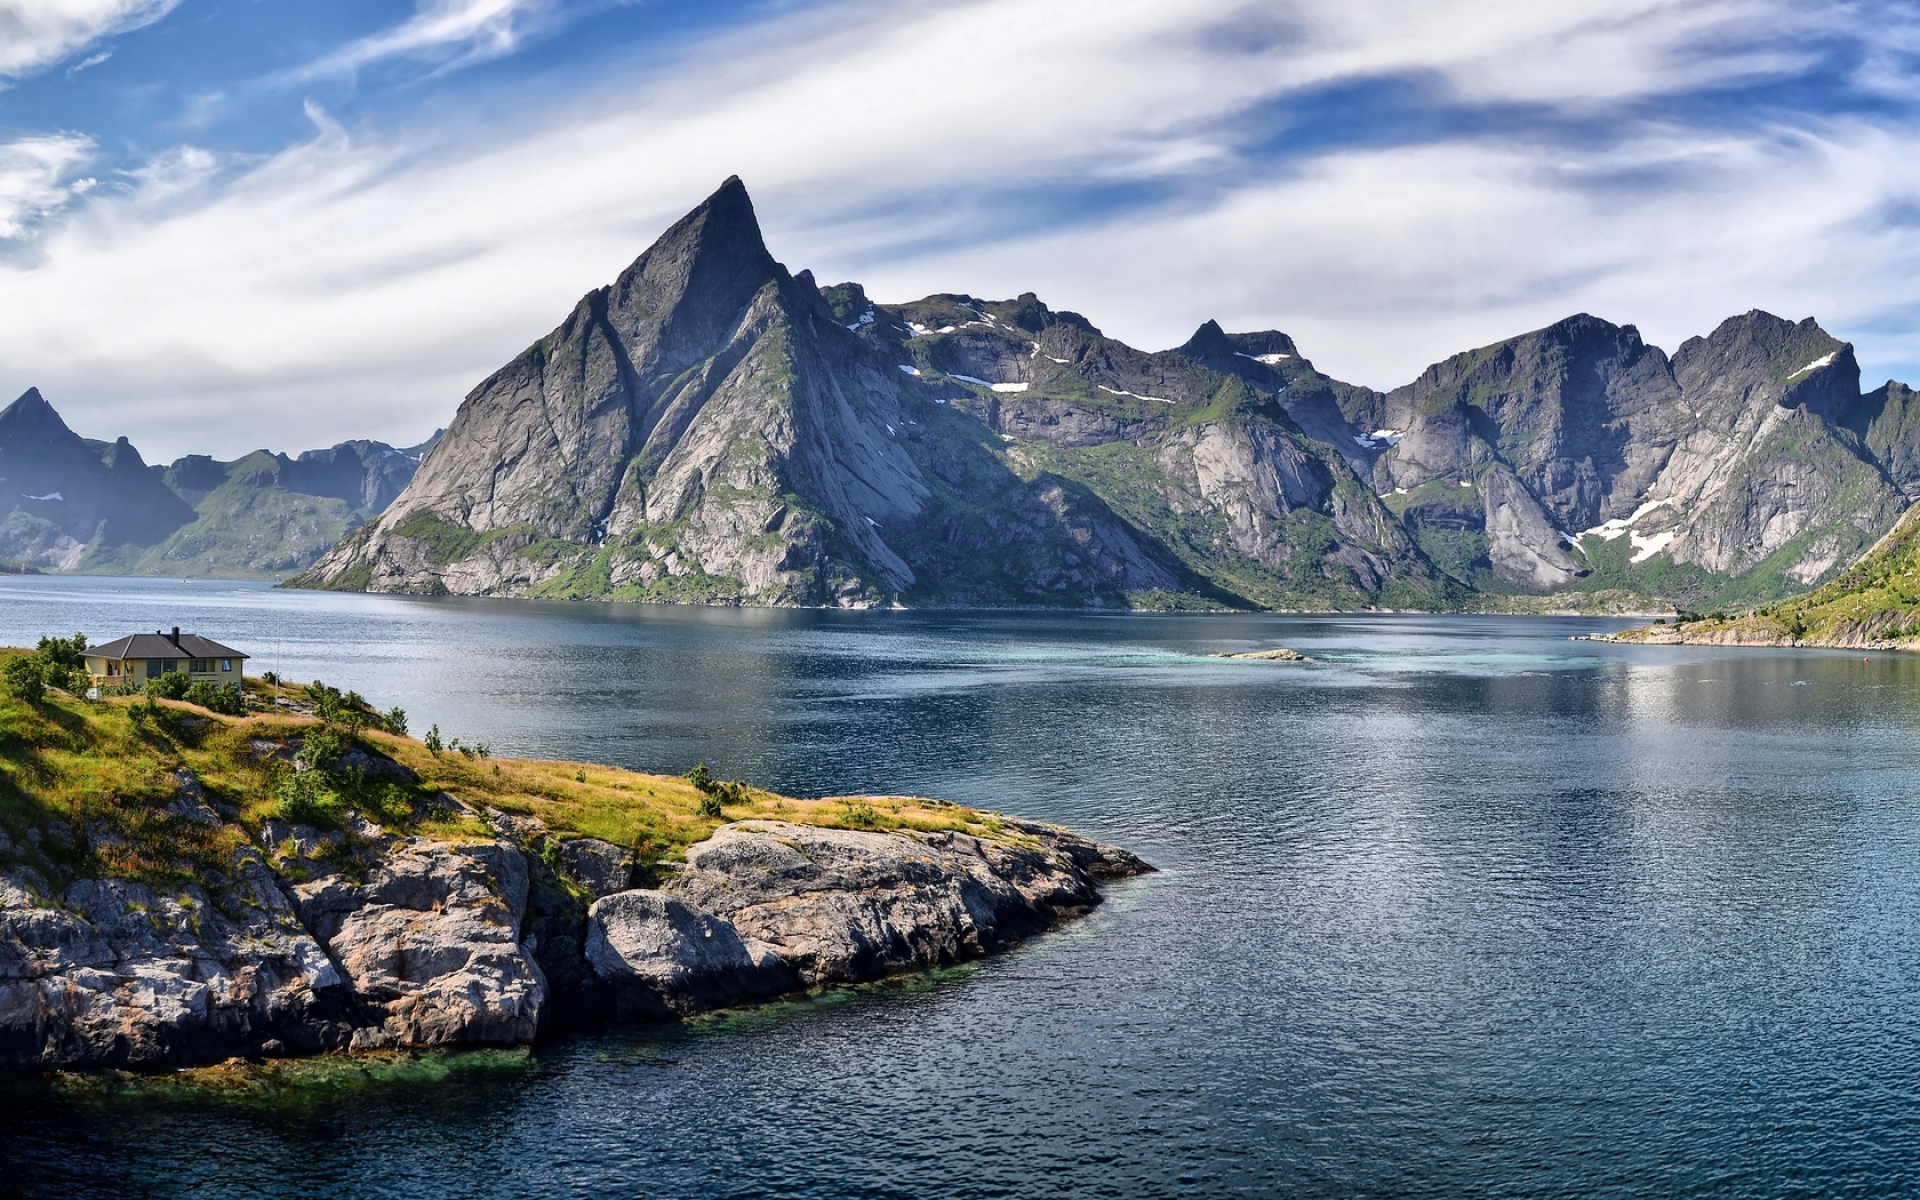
<point>138,657</point>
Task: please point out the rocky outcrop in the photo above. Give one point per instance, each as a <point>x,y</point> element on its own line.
<point>360,940</point>
<point>111,973</point>
<point>766,906</point>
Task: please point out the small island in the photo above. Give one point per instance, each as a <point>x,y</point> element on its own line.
<point>194,870</point>
<point>1280,654</point>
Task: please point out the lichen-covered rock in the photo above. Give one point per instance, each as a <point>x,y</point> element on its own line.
<point>767,906</point>
<point>430,942</point>
<point>112,973</point>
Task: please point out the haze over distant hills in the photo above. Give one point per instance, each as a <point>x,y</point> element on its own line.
<point>713,428</point>
<point>74,504</point>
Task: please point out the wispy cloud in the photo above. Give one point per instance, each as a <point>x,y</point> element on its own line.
<point>1117,156</point>
<point>34,33</point>
<point>449,32</point>
<point>37,178</point>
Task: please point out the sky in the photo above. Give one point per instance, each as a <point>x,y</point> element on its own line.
<point>227,224</point>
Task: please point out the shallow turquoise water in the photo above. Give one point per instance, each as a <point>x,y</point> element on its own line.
<point>1462,908</point>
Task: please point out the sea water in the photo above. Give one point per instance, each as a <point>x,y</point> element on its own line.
<point>1461,907</point>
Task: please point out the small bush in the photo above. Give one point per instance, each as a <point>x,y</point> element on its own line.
<point>69,653</point>
<point>24,679</point>
<point>171,686</point>
<point>321,748</point>
<point>432,740</point>
<point>220,698</point>
<point>306,798</point>
<point>396,721</point>
<point>709,806</point>
<point>861,815</point>
<point>701,778</point>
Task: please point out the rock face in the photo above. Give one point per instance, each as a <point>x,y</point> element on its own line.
<point>384,941</point>
<point>117,974</point>
<point>711,428</point>
<point>74,504</point>
<point>429,942</point>
<point>765,907</point>
<point>1592,452</point>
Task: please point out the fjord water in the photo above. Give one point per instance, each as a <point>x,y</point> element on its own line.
<point>1462,907</point>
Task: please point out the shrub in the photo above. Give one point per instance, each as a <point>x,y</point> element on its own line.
<point>270,677</point>
<point>305,798</point>
<point>24,679</point>
<point>701,778</point>
<point>396,721</point>
<point>69,653</point>
<point>171,686</point>
<point>220,698</point>
<point>321,748</point>
<point>432,740</point>
<point>861,814</point>
<point>709,806</point>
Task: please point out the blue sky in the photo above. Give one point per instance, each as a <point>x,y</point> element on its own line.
<point>234,223</point>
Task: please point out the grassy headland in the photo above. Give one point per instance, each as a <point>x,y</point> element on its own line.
<point>104,788</point>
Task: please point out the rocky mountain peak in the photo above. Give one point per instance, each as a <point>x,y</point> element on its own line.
<point>31,419</point>
<point>692,283</point>
<point>1208,341</point>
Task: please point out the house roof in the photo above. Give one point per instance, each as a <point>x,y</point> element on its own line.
<point>163,645</point>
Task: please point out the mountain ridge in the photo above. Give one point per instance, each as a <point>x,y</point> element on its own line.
<point>78,504</point>
<point>781,443</point>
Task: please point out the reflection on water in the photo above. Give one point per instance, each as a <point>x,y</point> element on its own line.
<point>1462,907</point>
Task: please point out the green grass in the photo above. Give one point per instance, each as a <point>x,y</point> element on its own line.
<point>94,781</point>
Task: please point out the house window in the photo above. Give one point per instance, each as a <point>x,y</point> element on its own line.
<point>201,665</point>
<point>167,665</point>
<point>226,664</point>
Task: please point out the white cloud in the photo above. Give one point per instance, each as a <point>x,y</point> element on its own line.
<point>34,33</point>
<point>35,178</point>
<point>358,286</point>
<point>463,30</point>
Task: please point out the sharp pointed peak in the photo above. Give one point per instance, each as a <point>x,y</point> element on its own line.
<point>31,411</point>
<point>1208,341</point>
<point>31,398</point>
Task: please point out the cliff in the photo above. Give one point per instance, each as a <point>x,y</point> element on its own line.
<point>178,887</point>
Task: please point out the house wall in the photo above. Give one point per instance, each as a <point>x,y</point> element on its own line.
<point>140,670</point>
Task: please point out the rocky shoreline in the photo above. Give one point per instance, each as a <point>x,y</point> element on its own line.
<point>313,941</point>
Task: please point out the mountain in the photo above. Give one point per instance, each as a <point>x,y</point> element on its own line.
<point>64,495</point>
<point>1579,456</point>
<point>91,506</point>
<point>713,428</point>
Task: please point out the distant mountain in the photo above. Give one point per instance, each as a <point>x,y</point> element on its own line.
<point>712,428</point>
<point>73,504</point>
